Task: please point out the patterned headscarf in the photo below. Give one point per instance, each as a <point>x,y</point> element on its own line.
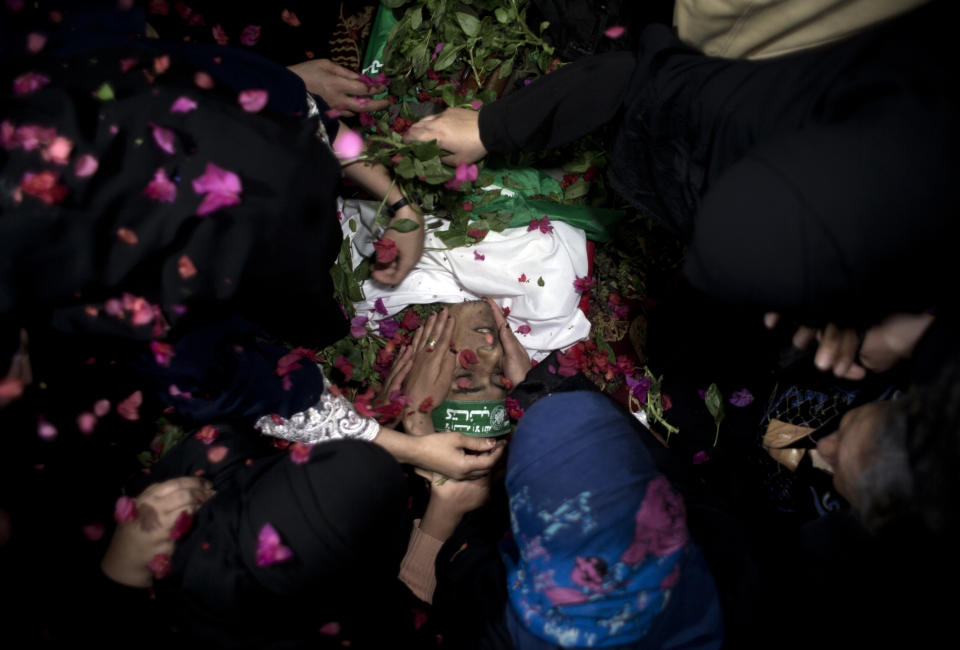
<point>602,549</point>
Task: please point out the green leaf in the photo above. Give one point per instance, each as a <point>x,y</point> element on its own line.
<point>540,281</point>
<point>426,150</point>
<point>105,92</point>
<point>416,17</point>
<point>353,225</point>
<point>449,95</point>
<point>404,168</point>
<point>714,402</point>
<point>506,69</point>
<point>404,225</point>
<point>503,17</point>
<point>469,24</point>
<point>577,189</point>
<point>362,272</point>
<point>421,61</point>
<point>435,224</point>
<point>446,57</point>
<point>544,25</point>
<point>393,4</point>
<point>490,65</point>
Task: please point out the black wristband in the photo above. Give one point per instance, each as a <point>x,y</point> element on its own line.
<point>392,209</point>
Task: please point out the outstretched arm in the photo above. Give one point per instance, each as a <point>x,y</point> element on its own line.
<point>376,180</point>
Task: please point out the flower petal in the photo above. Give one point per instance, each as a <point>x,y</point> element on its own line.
<point>253,100</point>
<point>348,144</point>
<point>183,104</point>
<point>129,408</point>
<point>85,166</point>
<point>125,510</point>
<point>186,267</point>
<point>615,31</point>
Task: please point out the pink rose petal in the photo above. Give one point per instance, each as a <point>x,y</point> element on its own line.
<point>161,64</point>
<point>129,408</point>
<point>330,629</point>
<point>35,42</point>
<point>253,100</point>
<point>203,80</point>
<point>217,454</point>
<point>221,187</point>
<point>300,453</point>
<point>85,166</point>
<point>164,137</point>
<point>207,434</point>
<point>161,188</point>
<point>94,532</point>
<point>127,236</point>
<point>348,144</point>
<point>185,267</point>
<point>250,35</point>
<point>10,389</point>
<point>183,104</point>
<point>125,510</point>
<point>29,82</point>
<point>58,151</point>
<point>615,31</point>
<point>269,548</point>
<point>220,34</point>
<point>86,423</point>
<point>45,430</point>
<point>523,329</point>
<point>101,407</point>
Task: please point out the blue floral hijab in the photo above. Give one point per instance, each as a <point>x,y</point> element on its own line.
<point>601,554</point>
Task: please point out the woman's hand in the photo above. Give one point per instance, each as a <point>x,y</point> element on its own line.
<point>394,382</point>
<point>409,249</point>
<point>457,456</point>
<point>449,501</point>
<point>135,543</point>
<point>340,88</point>
<point>431,372</point>
<point>840,349</point>
<point>516,361</point>
<point>456,129</point>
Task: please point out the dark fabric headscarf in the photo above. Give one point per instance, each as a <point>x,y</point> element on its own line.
<point>338,529</point>
<point>817,183</point>
<point>603,554</point>
<point>96,236</point>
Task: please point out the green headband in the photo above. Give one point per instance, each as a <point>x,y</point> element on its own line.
<point>483,419</point>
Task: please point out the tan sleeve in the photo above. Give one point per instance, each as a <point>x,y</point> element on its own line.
<point>417,570</point>
<point>760,29</point>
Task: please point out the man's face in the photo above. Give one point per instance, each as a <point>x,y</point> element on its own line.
<point>476,330</point>
<point>848,449</point>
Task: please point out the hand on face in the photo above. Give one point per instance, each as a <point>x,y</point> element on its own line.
<point>516,361</point>
<point>431,370</point>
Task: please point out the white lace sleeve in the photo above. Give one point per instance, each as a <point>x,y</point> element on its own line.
<point>332,418</point>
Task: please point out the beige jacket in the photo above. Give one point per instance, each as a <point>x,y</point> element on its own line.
<point>760,29</point>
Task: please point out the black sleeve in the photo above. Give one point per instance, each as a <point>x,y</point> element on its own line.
<point>559,107</point>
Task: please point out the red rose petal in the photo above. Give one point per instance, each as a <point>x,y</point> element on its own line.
<point>182,525</point>
<point>467,358</point>
<point>426,405</point>
<point>160,565</point>
<point>94,532</point>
